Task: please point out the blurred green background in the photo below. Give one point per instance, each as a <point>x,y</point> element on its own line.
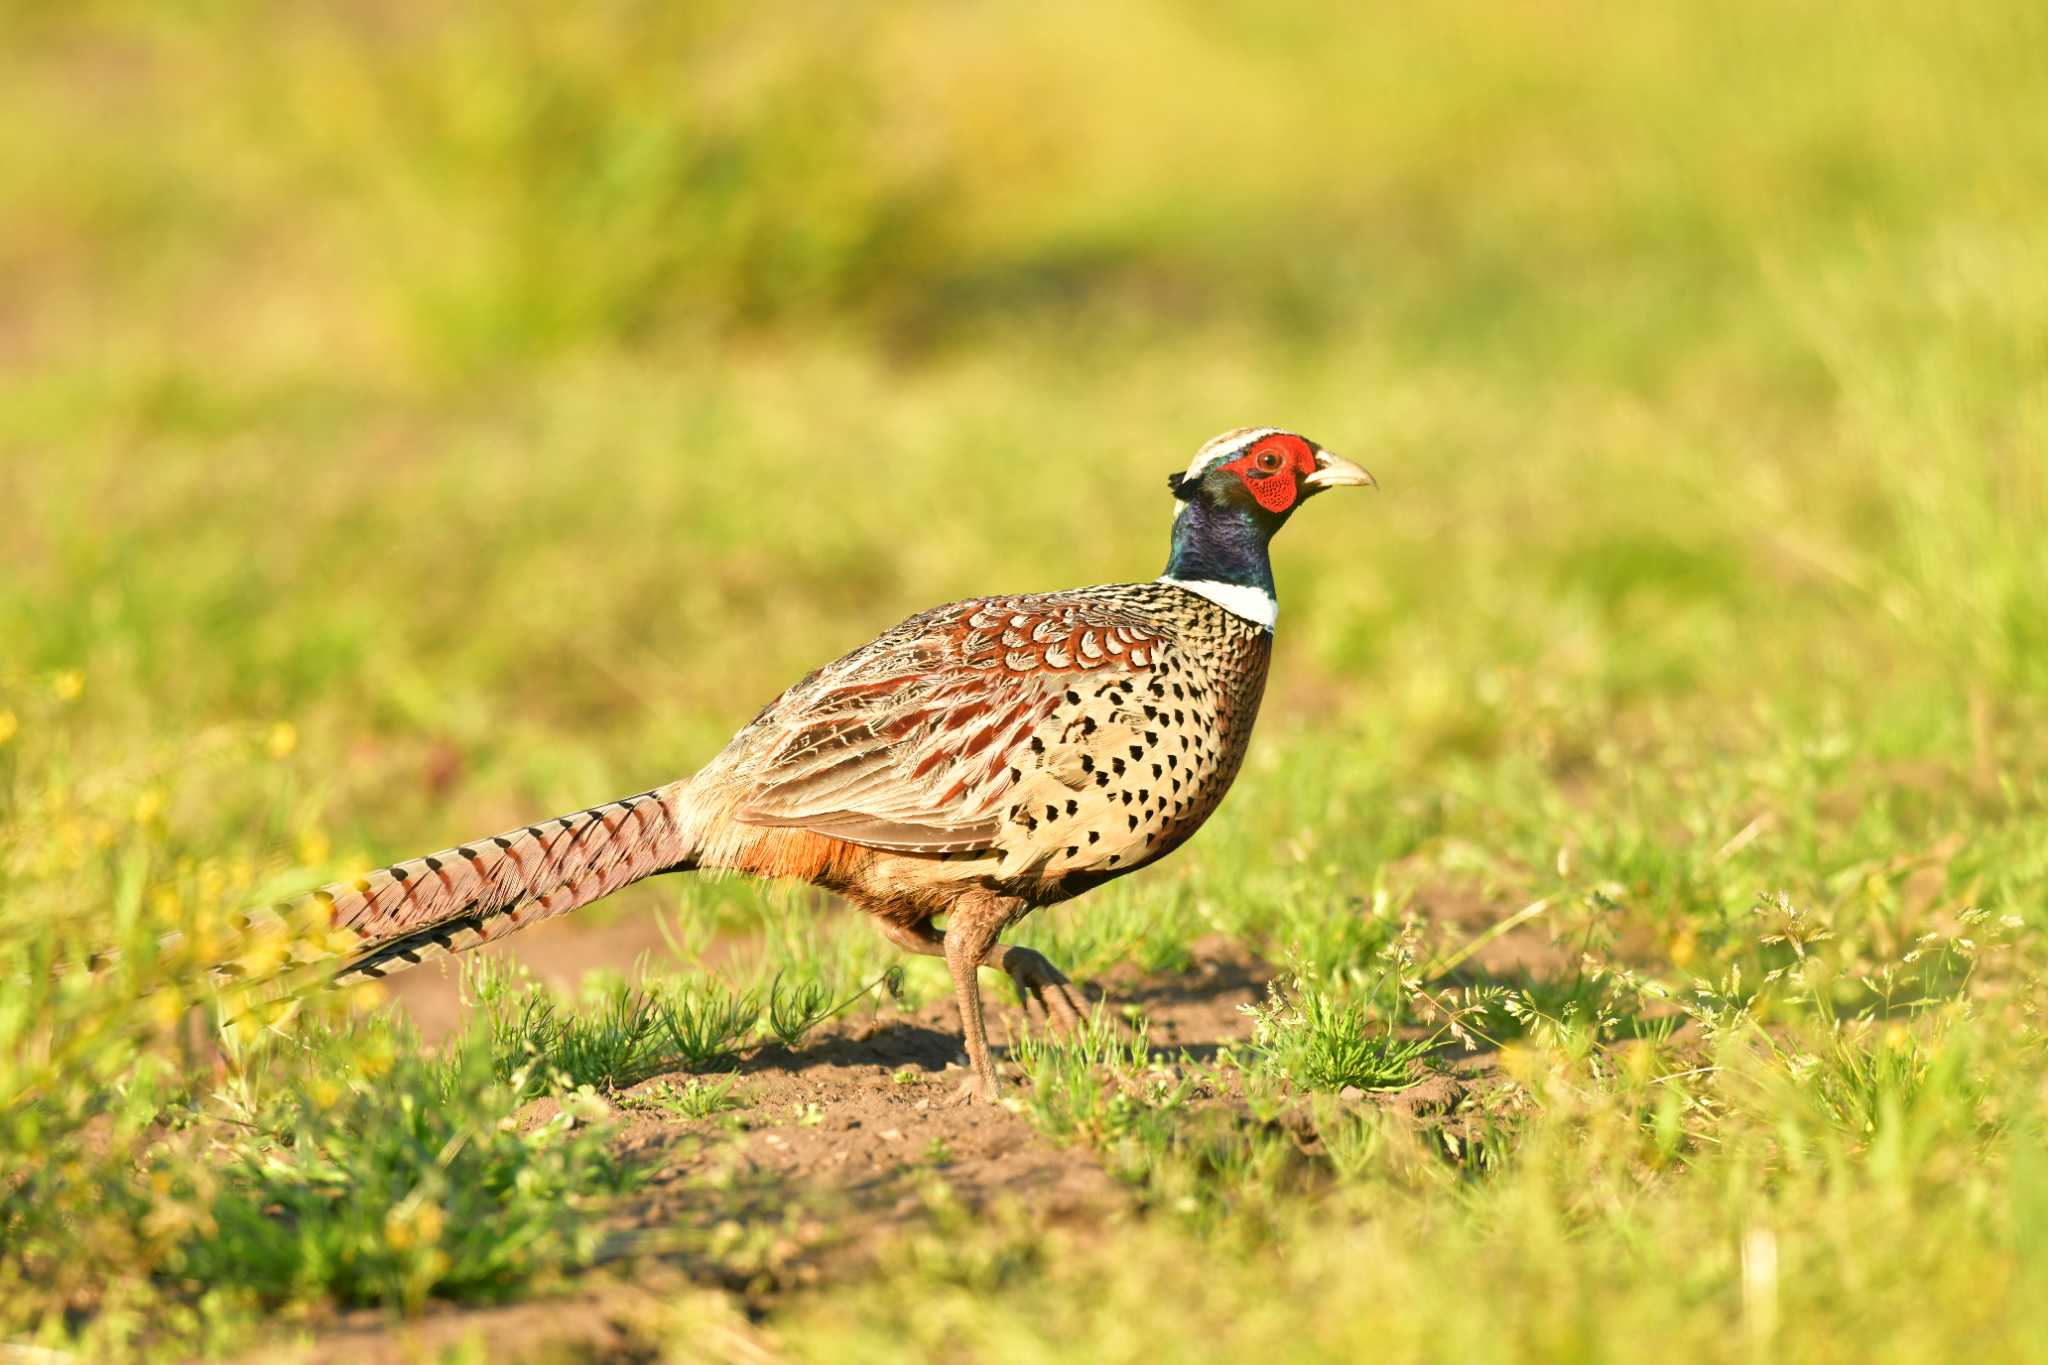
<point>512,396</point>
<point>485,408</point>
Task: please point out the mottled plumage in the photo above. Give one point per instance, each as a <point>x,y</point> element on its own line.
<point>981,760</point>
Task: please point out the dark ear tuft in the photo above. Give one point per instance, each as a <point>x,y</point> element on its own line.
<point>1174,481</point>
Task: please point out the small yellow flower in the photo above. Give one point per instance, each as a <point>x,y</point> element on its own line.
<point>1520,1062</point>
<point>69,684</point>
<point>10,726</point>
<point>149,806</point>
<point>430,1222</point>
<point>166,1006</point>
<point>284,737</point>
<point>399,1233</point>
<point>266,952</point>
<point>314,848</point>
<point>330,942</point>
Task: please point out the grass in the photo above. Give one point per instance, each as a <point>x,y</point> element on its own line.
<point>408,1187</point>
<point>1320,1043</point>
<point>418,418</point>
<point>623,1037</point>
<point>698,1099</point>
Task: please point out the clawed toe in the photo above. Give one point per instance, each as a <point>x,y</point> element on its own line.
<point>1061,1010</point>
<point>976,1089</point>
<point>1037,979</point>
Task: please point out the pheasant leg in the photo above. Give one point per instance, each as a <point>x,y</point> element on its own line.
<point>971,928</point>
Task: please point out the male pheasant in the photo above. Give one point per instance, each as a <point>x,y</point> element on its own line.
<point>977,762</point>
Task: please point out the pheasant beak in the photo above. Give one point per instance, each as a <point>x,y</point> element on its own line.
<point>1334,471</point>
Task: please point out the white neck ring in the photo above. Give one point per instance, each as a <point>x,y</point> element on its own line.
<point>1252,604</point>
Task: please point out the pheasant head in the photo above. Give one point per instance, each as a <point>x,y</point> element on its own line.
<point>1239,490</point>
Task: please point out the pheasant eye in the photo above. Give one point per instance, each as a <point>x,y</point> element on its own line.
<point>1269,460</point>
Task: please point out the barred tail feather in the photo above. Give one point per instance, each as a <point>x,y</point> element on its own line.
<point>475,893</point>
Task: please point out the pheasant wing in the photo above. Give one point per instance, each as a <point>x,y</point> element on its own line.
<point>927,739</point>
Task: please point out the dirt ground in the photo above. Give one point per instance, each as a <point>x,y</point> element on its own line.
<point>840,1146</point>
<point>835,1150</point>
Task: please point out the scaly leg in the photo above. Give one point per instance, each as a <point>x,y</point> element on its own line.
<point>1036,978</point>
<point>971,928</point>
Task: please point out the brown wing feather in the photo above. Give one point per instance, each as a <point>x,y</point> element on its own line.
<point>914,742</point>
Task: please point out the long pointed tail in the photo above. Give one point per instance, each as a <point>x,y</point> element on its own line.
<point>474,893</point>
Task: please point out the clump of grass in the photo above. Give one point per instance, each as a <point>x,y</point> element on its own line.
<point>392,1186</point>
<point>1320,1042</point>
<point>1097,1085</point>
<point>1369,1024</point>
<point>694,1100</point>
<point>796,1009</point>
<point>706,1024</point>
<point>625,1037</point>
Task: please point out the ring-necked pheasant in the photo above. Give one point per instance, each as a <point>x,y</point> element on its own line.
<point>977,762</point>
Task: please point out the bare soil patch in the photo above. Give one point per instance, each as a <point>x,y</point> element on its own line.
<point>836,1151</point>
<point>866,1120</point>
<point>839,1148</point>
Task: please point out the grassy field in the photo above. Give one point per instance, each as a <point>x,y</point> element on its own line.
<point>1630,926</point>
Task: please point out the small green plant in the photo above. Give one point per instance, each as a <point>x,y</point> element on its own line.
<point>1096,1085</point>
<point>1322,1043</point>
<point>795,1010</point>
<point>1369,1022</point>
<point>369,1185</point>
<point>626,1036</point>
<point>694,1100</point>
<point>706,1025</point>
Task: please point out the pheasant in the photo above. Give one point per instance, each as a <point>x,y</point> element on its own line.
<point>979,761</point>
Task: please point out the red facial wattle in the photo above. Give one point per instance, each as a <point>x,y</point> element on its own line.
<point>1275,488</point>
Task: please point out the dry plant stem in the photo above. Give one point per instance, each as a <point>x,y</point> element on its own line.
<point>1445,966</point>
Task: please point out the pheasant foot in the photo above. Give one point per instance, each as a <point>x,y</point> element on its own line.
<point>1038,980</point>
